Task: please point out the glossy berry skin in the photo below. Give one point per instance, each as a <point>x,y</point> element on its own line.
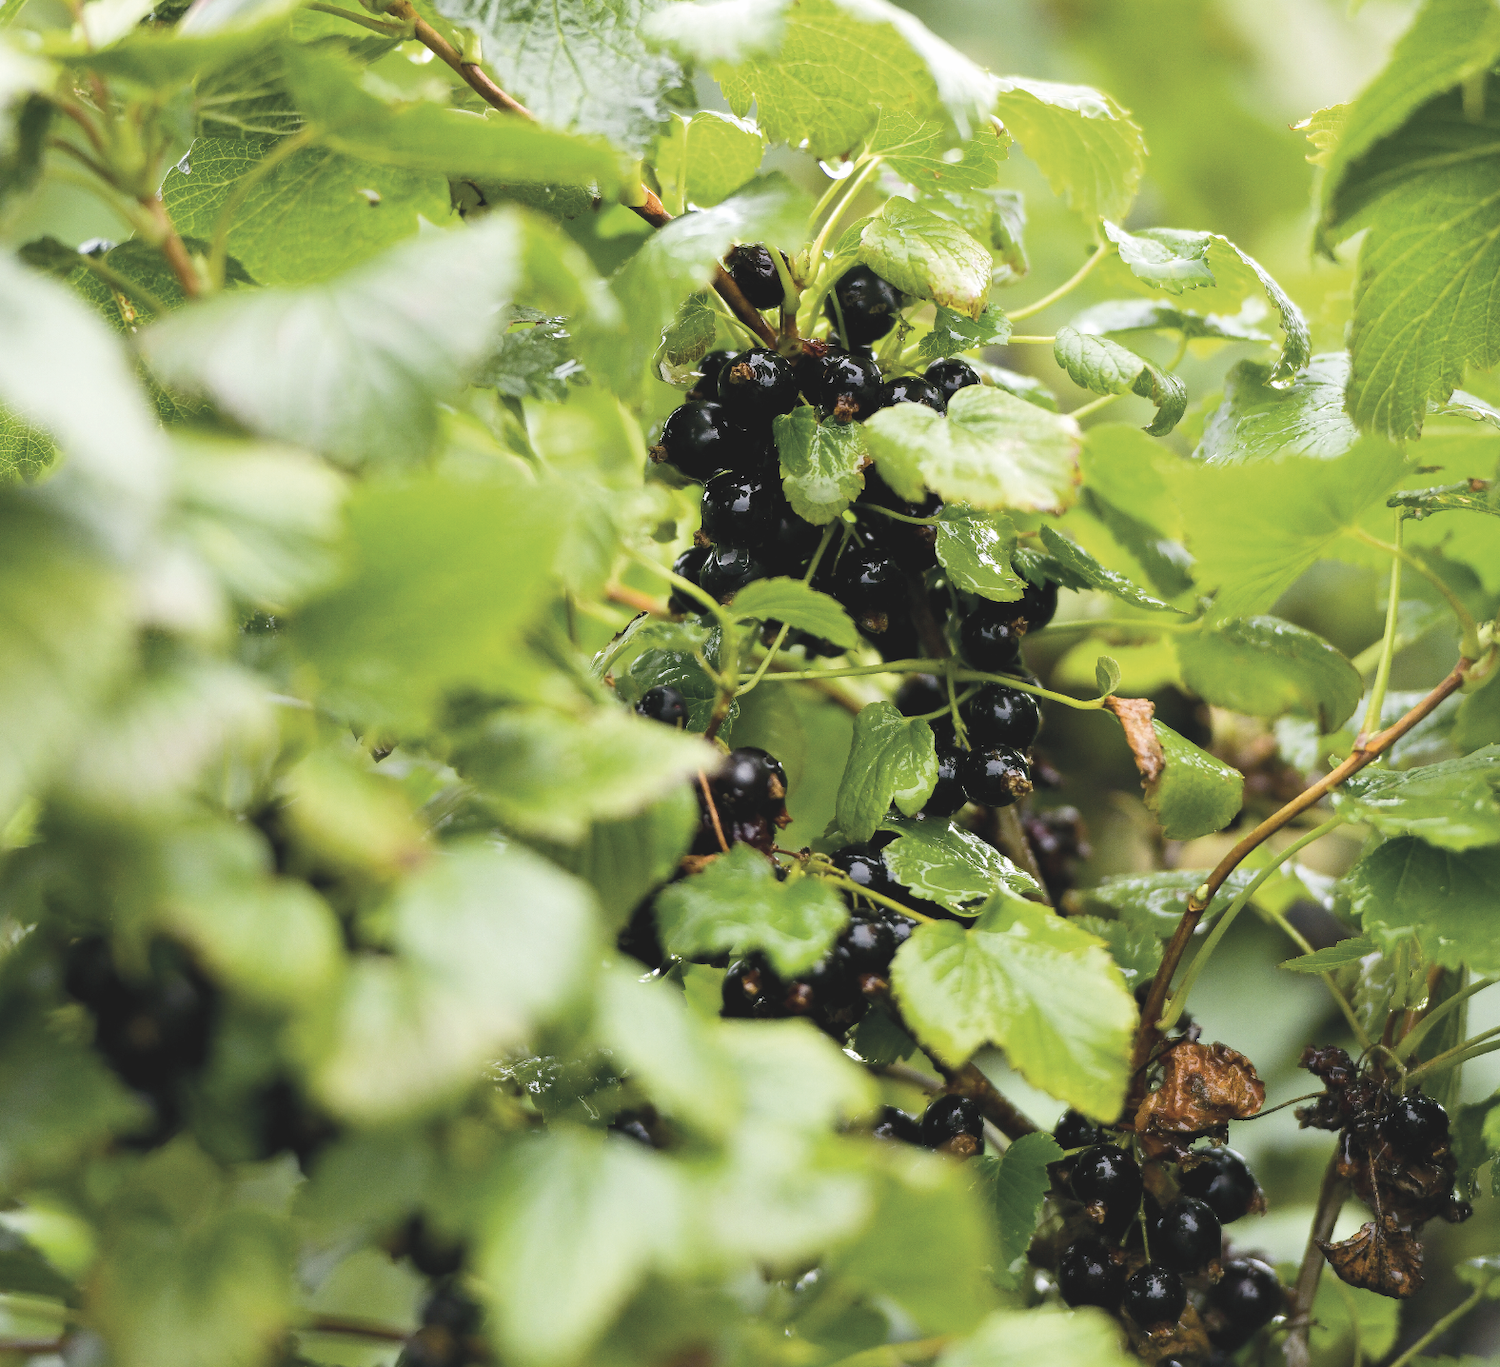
<point>1087,1275</point>
<point>751,783</point>
<point>997,715</point>
<point>1037,606</point>
<point>698,440</point>
<point>950,375</point>
<point>847,386</point>
<point>915,389</point>
<point>869,305</point>
<point>868,582</point>
<point>708,375</point>
<point>948,792</point>
<point>791,542</point>
<point>1186,1236</point>
<point>921,694</point>
<point>864,866</point>
<point>1154,1295</point>
<point>742,509</point>
<point>689,566</point>
<point>1246,1297</point>
<point>1415,1124</point>
<point>990,641</point>
<point>663,704</point>
<point>727,569</point>
<point>894,1124</point>
<point>954,1124</point>
<point>996,777</point>
<point>1076,1131</point>
<point>1107,1176</point>
<point>753,269</point>
<point>867,945</point>
<point>751,989</point>
<point>1223,1182</point>
<point>756,385</point>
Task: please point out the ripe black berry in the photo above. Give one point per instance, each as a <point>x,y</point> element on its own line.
<point>995,777</point>
<point>921,694</point>
<point>727,569</point>
<point>997,715</point>
<point>947,793</point>
<point>869,305</point>
<point>708,375</point>
<point>954,1124</point>
<point>1087,1275</point>
<point>1246,1297</point>
<point>753,269</point>
<point>914,389</point>
<point>1414,1125</point>
<point>1223,1181</point>
<point>865,867</point>
<point>663,704</point>
<point>894,1124</point>
<point>790,544</point>
<point>846,385</point>
<point>1154,1295</point>
<point>989,639</point>
<point>1075,1131</point>
<point>742,509</point>
<point>1108,1178</point>
<point>1186,1236</point>
<point>867,945</point>
<point>756,385</point>
<point>689,566</point>
<point>751,989</point>
<point>950,375</point>
<point>699,439</point>
<point>751,783</point>
<point>868,583</point>
<point>1036,607</point>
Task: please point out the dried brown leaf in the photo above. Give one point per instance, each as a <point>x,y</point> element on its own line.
<point>1379,1256</point>
<point>1135,718</point>
<point>1203,1087</point>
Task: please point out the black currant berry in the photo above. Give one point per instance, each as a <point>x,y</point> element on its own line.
<point>914,389</point>
<point>751,988</point>
<point>790,544</point>
<point>727,569</point>
<point>868,582</point>
<point>664,704</point>
<point>990,640</point>
<point>757,385</point>
<point>1088,1275</point>
<point>1246,1297</point>
<point>869,305</point>
<point>698,440</point>
<point>846,386</point>
<point>630,1124</point>
<point>1186,1236</point>
<point>894,1124</point>
<point>921,694</point>
<point>689,565</point>
<point>1415,1124</point>
<point>950,375</point>
<point>948,792</point>
<point>1222,1180</point>
<point>751,783</point>
<point>954,1124</point>
<point>1037,606</point>
<point>996,777</point>
<point>1075,1131</point>
<point>1154,1295</point>
<point>864,866</point>
<point>708,375</point>
<point>742,509</point>
<point>1108,1178</point>
<point>753,269</point>
<point>997,715</point>
<point>867,945</point>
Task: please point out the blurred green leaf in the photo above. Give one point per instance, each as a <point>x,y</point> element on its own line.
<point>1135,949</point>
<point>1149,315</point>
<point>821,462</point>
<point>944,863</point>
<point>1339,955</point>
<point>710,155</point>
<point>1454,805</point>
<point>892,759</point>
<point>791,601</point>
<point>1195,794</point>
<point>1105,367</point>
<point>1060,1338</point>
<point>719,30</point>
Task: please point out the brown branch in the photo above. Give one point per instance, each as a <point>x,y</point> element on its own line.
<point>172,248</point>
<point>713,810</point>
<point>356,1328</point>
<point>33,1347</point>
<point>998,1108</point>
<point>634,598</point>
<point>1331,1198</point>
<point>1010,835</point>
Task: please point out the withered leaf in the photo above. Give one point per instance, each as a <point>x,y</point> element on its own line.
<point>1380,1257</point>
<point>1203,1087</point>
<point>1135,718</point>
<point>1188,1339</point>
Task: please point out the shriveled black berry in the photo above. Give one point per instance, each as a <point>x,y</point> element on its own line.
<point>1075,1131</point>
<point>689,565</point>
<point>1088,1275</point>
<point>708,375</point>
<point>894,1124</point>
<point>1107,1177</point>
<point>1154,1295</point>
<point>1037,606</point>
<point>915,389</point>
<point>950,375</point>
<point>846,385</point>
<point>868,582</point>
<point>921,694</point>
<point>753,269</point>
<point>997,715</point>
<point>869,305</point>
<point>948,792</point>
<point>990,639</point>
<point>1222,1180</point>
<point>756,385</point>
<point>751,783</point>
<point>1414,1124</point>
<point>995,777</point>
<point>664,704</point>
<point>954,1124</point>
<point>699,439</point>
<point>1246,1297</point>
<point>742,509</point>
<point>727,569</point>
<point>1186,1236</point>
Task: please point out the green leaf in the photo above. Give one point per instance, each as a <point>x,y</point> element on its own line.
<point>582,65</point>
<point>1481,1273</point>
<point>1105,367</point>
<point>686,340</point>
<point>1178,263</point>
<point>944,863</point>
<point>1154,902</point>
<point>1030,982</point>
<point>1474,1143</point>
<point>1268,668</point>
<point>892,759</point>
<point>1463,497</point>
<point>1018,1183</point>
<point>737,904</point>
<point>953,333</point>
<point>791,601</point>
<point>1107,675</point>
<point>920,153</point>
<point>1257,422</point>
<point>1195,794</point>
<point>534,360</point>
<point>24,451</point>
<point>1060,1338</point>
<point>1081,568</point>
<point>1084,143</point>
<point>992,450</point>
<point>820,463</point>
<point>1340,955</point>
<point>1136,950</point>
<point>1454,805</point>
<point>1445,899</point>
<point>928,257</point>
<point>710,155</point>
<point>974,547</point>
<point>488,941</point>
<point>317,214</point>
<point>1150,315</point>
<point>1477,721</point>
<point>676,666</point>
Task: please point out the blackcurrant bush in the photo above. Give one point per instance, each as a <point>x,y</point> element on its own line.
<point>915,389</point>
<point>753,269</point>
<point>1186,1236</point>
<point>708,375</point>
<point>894,1124</point>
<point>1414,1124</point>
<point>954,1124</point>
<point>750,783</point>
<point>1222,1180</point>
<point>1088,1275</point>
<point>921,694</point>
<point>846,385</point>
<point>868,582</point>
<point>1154,1295</point>
<point>664,704</point>
<point>869,305</point>
<point>950,375</point>
<point>997,715</point>
<point>742,509</point>
<point>727,569</point>
<point>1246,1297</point>
<point>699,440</point>
<point>1108,1177</point>
<point>990,640</point>
<point>1037,606</point>
<point>1075,1131</point>
<point>996,777</point>
<point>689,565</point>
<point>948,792</point>
<point>756,385</point>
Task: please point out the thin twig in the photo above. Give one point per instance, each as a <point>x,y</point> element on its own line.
<point>171,247</point>
<point>1440,1328</point>
<point>1067,287</point>
<point>713,810</point>
<point>1331,1197</point>
<point>33,1347</point>
<point>355,1328</point>
<point>634,598</point>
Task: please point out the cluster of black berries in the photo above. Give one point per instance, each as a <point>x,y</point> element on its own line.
<point>1157,1256</point>
<point>449,1335</point>
<point>951,1124</point>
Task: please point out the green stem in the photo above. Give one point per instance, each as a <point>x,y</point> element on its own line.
<point>219,251</point>
<point>1030,341</point>
<point>1138,625</point>
<point>1067,287</point>
<point>1093,405</point>
<point>1469,647</point>
<point>1407,1047</point>
<point>851,671</point>
<point>1387,641</point>
<point>899,517</point>
<point>790,294</point>
<point>1460,1053</point>
<point>726,618</point>
<point>1024,686</point>
<point>1439,1329</point>
<point>841,880</point>
<point>730,316</point>
<point>856,184</point>
<point>391,30</point>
